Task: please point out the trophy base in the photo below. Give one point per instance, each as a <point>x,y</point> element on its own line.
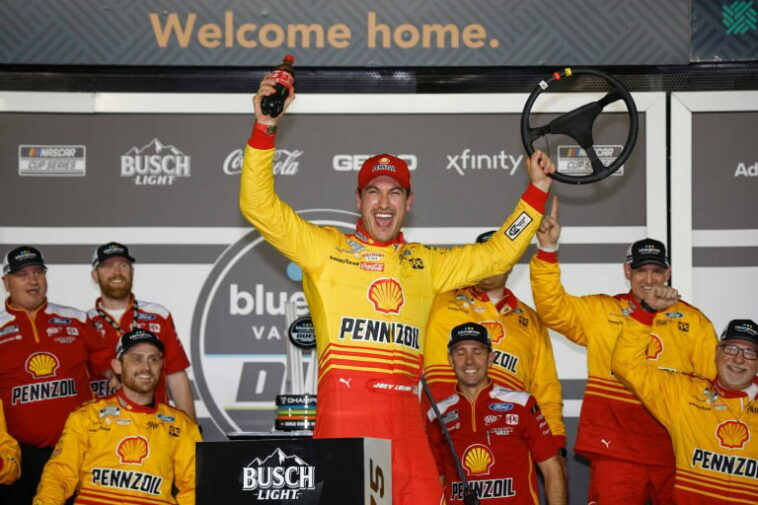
<point>295,412</point>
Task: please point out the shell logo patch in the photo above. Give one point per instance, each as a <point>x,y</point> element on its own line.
<point>495,330</point>
<point>478,460</point>
<point>133,450</point>
<point>732,434</point>
<point>42,364</point>
<point>654,347</point>
<point>386,295</point>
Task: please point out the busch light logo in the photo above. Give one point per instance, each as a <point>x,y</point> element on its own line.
<point>278,477</point>
<point>239,332</point>
<point>155,164</point>
<point>285,162</point>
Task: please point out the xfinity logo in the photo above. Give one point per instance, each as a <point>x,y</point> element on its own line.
<point>467,161</point>
<point>353,162</point>
<point>285,162</point>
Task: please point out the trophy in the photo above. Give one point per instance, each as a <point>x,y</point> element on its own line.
<point>296,408</point>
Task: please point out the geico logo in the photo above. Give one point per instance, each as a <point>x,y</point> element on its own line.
<point>353,162</point>
<point>155,164</point>
<point>260,301</point>
<point>57,152</point>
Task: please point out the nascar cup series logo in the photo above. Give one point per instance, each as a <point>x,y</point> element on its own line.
<point>155,164</point>
<point>278,477</point>
<point>52,160</point>
<point>239,328</point>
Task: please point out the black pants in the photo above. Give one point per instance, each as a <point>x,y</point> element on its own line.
<point>22,491</point>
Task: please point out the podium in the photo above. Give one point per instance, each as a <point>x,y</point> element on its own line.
<point>289,470</point>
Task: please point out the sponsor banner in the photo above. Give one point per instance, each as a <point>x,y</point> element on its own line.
<point>350,33</point>
<point>725,170</point>
<point>169,176</point>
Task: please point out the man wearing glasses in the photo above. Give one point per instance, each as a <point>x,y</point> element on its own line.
<point>712,422</point>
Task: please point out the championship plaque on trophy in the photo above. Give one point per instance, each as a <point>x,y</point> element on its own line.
<point>296,408</point>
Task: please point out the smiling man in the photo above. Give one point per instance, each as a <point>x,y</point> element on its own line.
<point>370,293</point>
<point>712,420</point>
<point>631,459</point>
<point>498,433</point>
<point>118,311</point>
<point>127,447</point>
<point>45,351</point>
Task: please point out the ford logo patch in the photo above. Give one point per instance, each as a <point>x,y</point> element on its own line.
<point>501,407</point>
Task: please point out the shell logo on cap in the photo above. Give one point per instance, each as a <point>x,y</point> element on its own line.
<point>133,450</point>
<point>478,460</point>
<point>654,347</point>
<point>42,364</point>
<point>732,434</point>
<point>495,330</point>
<point>386,295</point>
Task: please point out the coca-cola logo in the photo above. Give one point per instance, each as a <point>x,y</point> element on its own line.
<point>285,162</point>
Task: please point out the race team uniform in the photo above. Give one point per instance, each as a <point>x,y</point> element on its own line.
<point>369,303</point>
<point>498,438</point>
<point>10,453</point>
<point>143,315</point>
<point>114,451</point>
<point>713,429</point>
<point>626,445</point>
<point>523,352</point>
<point>44,373</point>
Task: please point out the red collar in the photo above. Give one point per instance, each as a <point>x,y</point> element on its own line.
<point>729,393</point>
<point>506,304</point>
<point>18,310</point>
<point>362,235</point>
<point>126,403</point>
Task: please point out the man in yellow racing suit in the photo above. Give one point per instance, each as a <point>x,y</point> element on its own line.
<point>125,448</point>
<point>524,358</point>
<point>713,422</point>
<point>631,459</point>
<point>370,293</point>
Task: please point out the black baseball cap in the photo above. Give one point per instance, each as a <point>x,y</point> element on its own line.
<point>647,251</point>
<point>134,337</point>
<point>741,329</point>
<point>20,257</point>
<point>469,331</point>
<point>108,251</point>
<point>484,237</point>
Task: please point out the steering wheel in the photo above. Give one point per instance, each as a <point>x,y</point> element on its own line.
<point>578,124</point>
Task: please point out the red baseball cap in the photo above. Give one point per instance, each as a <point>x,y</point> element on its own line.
<point>384,164</point>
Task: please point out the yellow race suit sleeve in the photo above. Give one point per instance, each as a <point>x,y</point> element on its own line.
<point>10,453</point>
<point>545,386</point>
<point>60,476</point>
<point>659,390</point>
<point>559,310</point>
<point>184,464</point>
<point>307,244</point>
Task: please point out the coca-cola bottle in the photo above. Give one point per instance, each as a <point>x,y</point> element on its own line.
<point>273,104</point>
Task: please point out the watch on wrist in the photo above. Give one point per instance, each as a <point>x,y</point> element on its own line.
<point>646,307</point>
<point>562,452</point>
